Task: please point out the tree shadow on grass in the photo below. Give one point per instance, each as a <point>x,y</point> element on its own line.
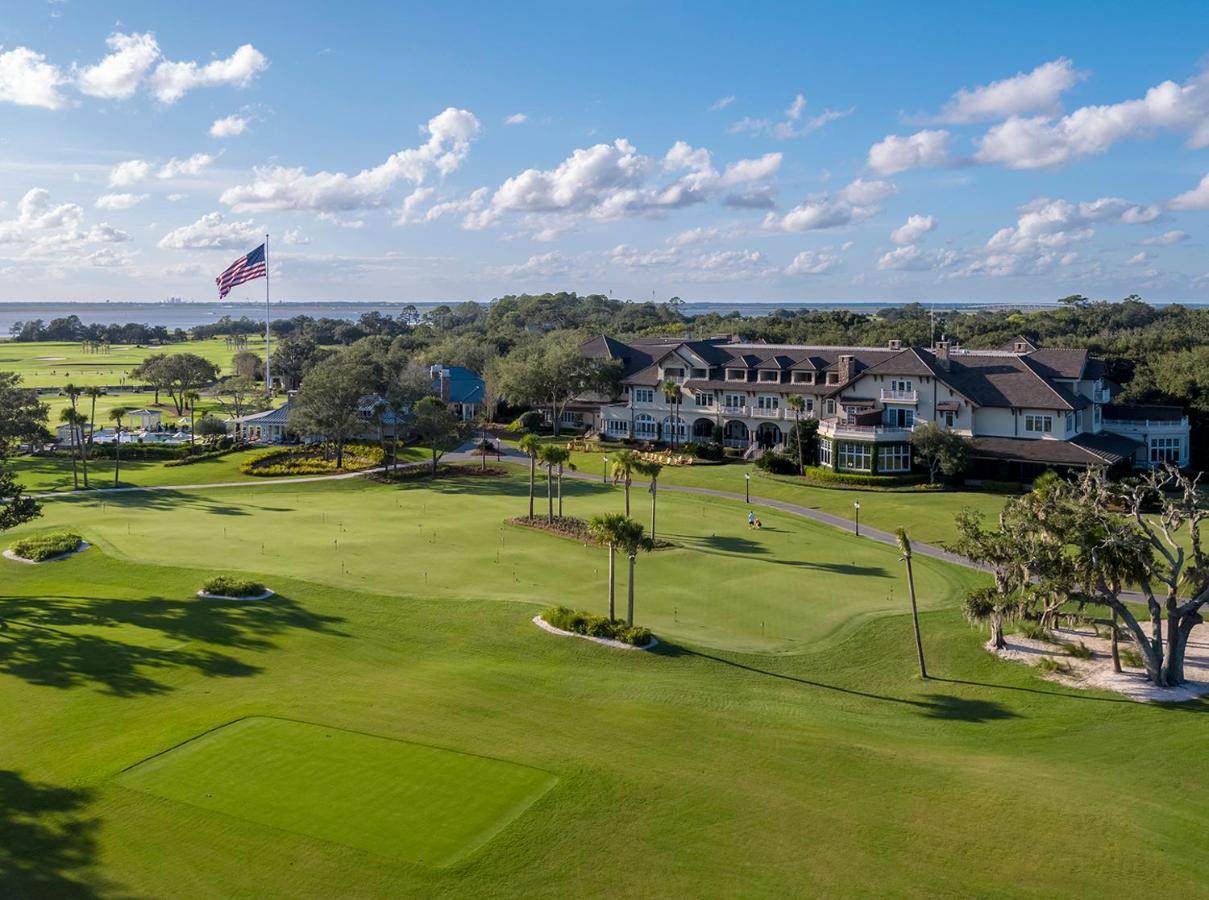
<point>737,546</point>
<point>47,842</point>
<point>154,500</point>
<point>60,641</point>
<point>932,706</point>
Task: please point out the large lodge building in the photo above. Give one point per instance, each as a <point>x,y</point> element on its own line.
<point>1025,408</point>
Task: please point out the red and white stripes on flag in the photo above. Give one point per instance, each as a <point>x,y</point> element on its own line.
<point>243,269</point>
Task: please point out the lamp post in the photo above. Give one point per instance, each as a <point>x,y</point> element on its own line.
<point>747,486</point>
<point>856,504</point>
<point>604,475</point>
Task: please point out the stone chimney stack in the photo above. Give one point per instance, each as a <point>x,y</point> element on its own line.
<point>895,344</point>
<point>847,368</point>
<point>942,354</point>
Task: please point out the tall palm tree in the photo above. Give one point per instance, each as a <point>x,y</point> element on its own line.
<point>798,404</point>
<point>92,392</point>
<point>631,541</point>
<point>651,470</point>
<point>75,419</point>
<point>624,463</point>
<point>530,445</point>
<point>606,529</point>
<point>674,396</point>
<point>543,455</point>
<point>557,457</point>
<point>117,414</point>
<point>191,397</point>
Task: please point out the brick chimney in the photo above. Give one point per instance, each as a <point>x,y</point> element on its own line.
<point>847,367</point>
<point>942,354</point>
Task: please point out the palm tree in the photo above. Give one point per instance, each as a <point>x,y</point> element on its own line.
<point>624,463</point>
<point>606,530</point>
<point>191,397</point>
<point>555,456</point>
<point>530,445</point>
<point>797,403</point>
<point>544,455</point>
<point>674,396</point>
<point>75,419</point>
<point>651,470</point>
<point>631,541</point>
<point>93,392</point>
<point>117,414</point>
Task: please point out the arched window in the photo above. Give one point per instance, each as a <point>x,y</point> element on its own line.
<point>644,426</point>
<point>674,424</point>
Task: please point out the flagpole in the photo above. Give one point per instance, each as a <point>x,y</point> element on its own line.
<point>268,347</point>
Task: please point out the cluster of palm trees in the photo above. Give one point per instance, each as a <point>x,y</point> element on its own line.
<point>616,531</point>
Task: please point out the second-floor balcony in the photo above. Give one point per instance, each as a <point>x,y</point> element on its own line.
<point>765,413</point>
<point>890,396</point>
<point>836,428</point>
<point>728,410</point>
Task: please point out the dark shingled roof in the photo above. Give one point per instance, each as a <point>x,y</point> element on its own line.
<point>1084,450</point>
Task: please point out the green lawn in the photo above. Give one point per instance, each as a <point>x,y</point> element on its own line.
<point>397,799</point>
<point>700,769</point>
<point>928,515</point>
<point>55,363</point>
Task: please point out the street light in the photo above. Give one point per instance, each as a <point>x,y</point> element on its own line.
<point>747,485</point>
<point>604,475</point>
<point>856,504</point>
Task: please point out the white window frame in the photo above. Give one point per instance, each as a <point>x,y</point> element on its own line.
<point>645,427</point>
<point>703,398</point>
<point>803,377</point>
<point>825,451</point>
<point>644,395</point>
<point>736,374</point>
<point>617,426</point>
<point>768,401</point>
<point>1166,449</point>
<point>1038,424</point>
<point>767,377</point>
<point>736,400</point>
<point>894,458</point>
<point>854,458</point>
<point>897,384</point>
<point>673,372</point>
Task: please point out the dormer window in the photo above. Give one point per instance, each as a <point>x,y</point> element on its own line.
<point>833,377</point>
<point>803,378</point>
<point>736,374</point>
<point>770,376</point>
<point>700,373</point>
<point>673,372</point>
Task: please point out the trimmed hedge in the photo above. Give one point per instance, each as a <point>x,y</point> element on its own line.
<point>205,455</point>
<point>41,547</point>
<point>827,478</point>
<point>230,586</point>
<point>580,622</point>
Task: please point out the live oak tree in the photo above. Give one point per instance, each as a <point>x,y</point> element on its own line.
<point>22,414</point>
<point>177,374</point>
<point>249,365</point>
<point>940,450</point>
<point>294,357</point>
<point>550,373</point>
<point>438,427</point>
<point>328,403</point>
<point>239,395</point>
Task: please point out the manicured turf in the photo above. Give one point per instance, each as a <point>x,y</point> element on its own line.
<point>401,800</point>
<point>690,771</point>
<point>55,363</point>
<point>723,585</point>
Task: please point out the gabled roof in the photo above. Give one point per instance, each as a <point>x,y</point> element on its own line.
<point>1060,363</point>
<point>278,416</point>
<point>908,362</point>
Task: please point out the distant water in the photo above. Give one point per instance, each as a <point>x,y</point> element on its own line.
<point>186,315</point>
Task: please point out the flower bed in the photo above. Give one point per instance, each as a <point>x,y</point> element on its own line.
<point>41,547</point>
<point>418,472</point>
<point>579,622</point>
<point>310,461</point>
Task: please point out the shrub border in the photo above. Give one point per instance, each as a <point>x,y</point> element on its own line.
<point>608,642</point>
<point>268,592</point>
<point>80,548</point>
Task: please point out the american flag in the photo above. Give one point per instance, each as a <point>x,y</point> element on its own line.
<point>243,269</point>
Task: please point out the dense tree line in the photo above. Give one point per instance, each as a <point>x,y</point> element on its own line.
<point>70,328</point>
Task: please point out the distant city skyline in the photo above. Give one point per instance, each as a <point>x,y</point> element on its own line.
<point>869,152</point>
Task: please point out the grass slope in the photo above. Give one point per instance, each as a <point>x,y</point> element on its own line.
<point>694,772</point>
<point>55,363</point>
<point>723,585</point>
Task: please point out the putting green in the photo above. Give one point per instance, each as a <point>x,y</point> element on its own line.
<point>406,801</point>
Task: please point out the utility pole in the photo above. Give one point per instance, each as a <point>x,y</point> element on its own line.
<point>904,546</point>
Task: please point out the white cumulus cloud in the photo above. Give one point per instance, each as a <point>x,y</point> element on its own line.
<point>132,171</point>
<point>211,232</point>
<point>516,119</point>
<point>174,167</point>
<point>913,229</point>
<point>228,126</point>
<point>172,80</point>
<point>27,79</point>
<point>895,153</point>
<point>450,134</point>
<point>118,75</point>
<point>1166,239</point>
<point>813,262</point>
<point>854,203</point>
<point>119,201</point>
<point>1197,198</point>
<point>1026,92</point>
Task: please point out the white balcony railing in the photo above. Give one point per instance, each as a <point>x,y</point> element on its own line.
<point>1148,424</point>
<point>1101,396</point>
<point>832,428</point>
<point>759,413</point>
<point>734,410</point>
<point>889,396</point>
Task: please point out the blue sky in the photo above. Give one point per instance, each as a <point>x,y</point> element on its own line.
<point>713,151</point>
